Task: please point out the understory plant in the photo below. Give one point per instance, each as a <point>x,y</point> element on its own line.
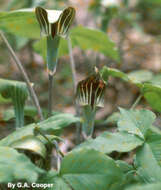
<point>26,154</point>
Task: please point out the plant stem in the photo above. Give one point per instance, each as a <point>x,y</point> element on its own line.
<point>73,69</point>
<point>20,67</point>
<point>136,102</point>
<point>72,64</point>
<point>50,101</point>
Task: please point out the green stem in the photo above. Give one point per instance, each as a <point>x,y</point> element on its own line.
<point>88,121</point>
<point>50,101</point>
<point>72,64</point>
<point>136,102</point>
<point>74,79</point>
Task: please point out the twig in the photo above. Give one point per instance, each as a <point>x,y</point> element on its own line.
<point>72,65</point>
<point>136,101</point>
<point>50,101</point>
<point>29,85</point>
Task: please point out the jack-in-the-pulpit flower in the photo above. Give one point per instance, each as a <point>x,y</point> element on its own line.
<point>54,24</point>
<point>90,94</point>
<point>91,91</point>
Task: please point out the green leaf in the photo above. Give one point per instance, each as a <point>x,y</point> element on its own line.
<point>155,186</point>
<point>154,141</point>
<point>148,158</point>
<point>21,22</point>
<point>155,129</point>
<point>125,167</point>
<point>113,118</point>
<point>90,169</point>
<point>152,93</point>
<point>87,38</point>
<point>18,93</point>
<point>15,167</point>
<point>50,126</point>
<point>30,143</point>
<point>57,122</point>
<point>156,80</point>
<point>106,72</point>
<point>129,173</point>
<point>140,76</point>
<point>85,169</point>
<point>57,183</point>
<point>109,142</point>
<point>136,121</point>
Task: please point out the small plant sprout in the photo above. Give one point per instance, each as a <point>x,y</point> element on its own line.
<point>53,25</point>
<point>90,94</point>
